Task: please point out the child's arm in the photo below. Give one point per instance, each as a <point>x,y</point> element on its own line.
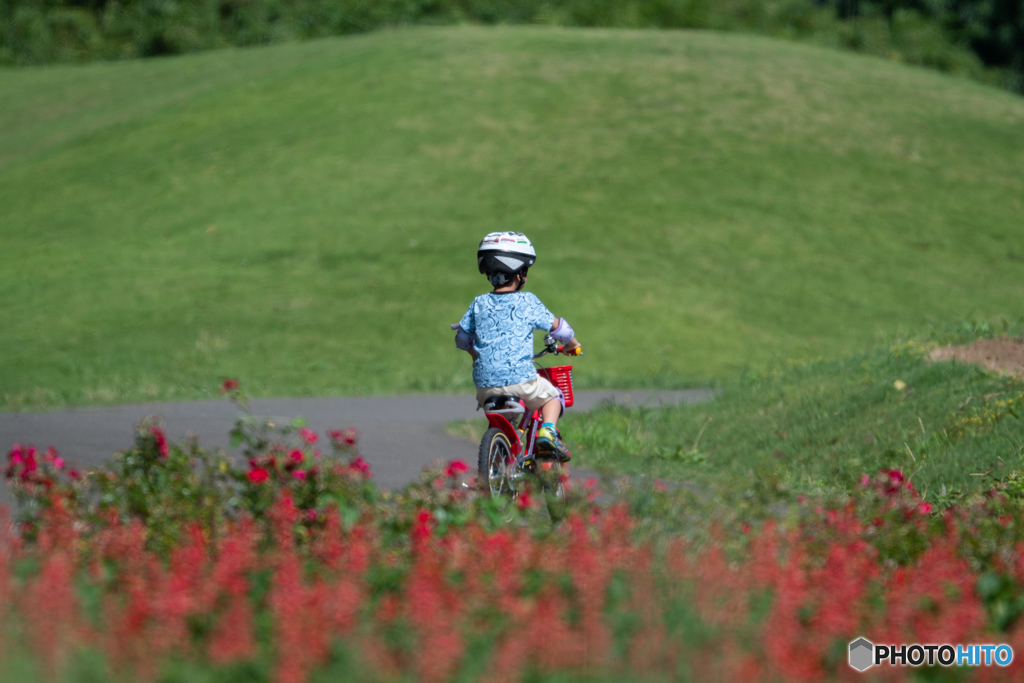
<point>561,331</point>
<point>464,340</point>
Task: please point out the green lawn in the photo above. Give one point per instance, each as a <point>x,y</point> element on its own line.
<point>820,427</point>
<point>305,216</point>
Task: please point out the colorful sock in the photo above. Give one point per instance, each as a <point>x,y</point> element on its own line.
<point>547,424</point>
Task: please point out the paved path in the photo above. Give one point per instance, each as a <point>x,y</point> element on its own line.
<point>399,434</point>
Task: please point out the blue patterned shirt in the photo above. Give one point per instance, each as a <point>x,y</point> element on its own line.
<point>502,326</point>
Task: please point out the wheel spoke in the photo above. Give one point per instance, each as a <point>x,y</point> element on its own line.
<point>497,469</point>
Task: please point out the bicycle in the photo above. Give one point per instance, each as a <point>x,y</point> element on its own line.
<point>508,451</point>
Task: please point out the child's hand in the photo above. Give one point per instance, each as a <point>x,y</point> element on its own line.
<point>573,348</point>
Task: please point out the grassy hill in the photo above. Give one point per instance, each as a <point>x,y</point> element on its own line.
<point>305,216</point>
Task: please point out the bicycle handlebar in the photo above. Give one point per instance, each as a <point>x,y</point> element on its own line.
<point>551,346</point>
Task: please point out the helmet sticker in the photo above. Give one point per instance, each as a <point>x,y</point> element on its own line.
<point>514,264</point>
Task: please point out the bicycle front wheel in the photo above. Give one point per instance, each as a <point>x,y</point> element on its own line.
<point>494,462</point>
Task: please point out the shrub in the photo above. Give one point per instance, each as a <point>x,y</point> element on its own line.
<point>956,36</point>
<point>171,489</point>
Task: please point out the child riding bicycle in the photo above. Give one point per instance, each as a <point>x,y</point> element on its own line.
<point>497,331</point>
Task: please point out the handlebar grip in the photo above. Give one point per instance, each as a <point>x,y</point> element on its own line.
<point>575,352</point>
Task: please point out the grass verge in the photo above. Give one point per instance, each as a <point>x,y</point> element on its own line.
<point>820,427</point>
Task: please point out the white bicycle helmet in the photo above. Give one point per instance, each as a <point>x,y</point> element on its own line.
<point>502,255</point>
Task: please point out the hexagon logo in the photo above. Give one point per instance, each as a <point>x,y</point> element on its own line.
<point>861,654</point>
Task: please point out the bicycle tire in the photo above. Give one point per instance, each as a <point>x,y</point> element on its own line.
<point>494,477</point>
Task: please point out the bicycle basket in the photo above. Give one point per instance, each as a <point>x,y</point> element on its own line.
<point>561,377</point>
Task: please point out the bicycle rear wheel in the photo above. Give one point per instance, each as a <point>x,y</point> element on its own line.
<point>493,462</point>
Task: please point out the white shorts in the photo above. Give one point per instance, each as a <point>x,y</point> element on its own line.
<point>535,393</point>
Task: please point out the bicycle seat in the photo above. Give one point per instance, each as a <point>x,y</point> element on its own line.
<point>503,404</point>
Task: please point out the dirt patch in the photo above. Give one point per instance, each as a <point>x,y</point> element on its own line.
<point>1002,355</point>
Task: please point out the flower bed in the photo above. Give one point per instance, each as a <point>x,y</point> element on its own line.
<point>267,574</point>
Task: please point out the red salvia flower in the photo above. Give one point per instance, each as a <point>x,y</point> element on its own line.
<point>232,639</point>
<point>360,466</point>
<point>161,440</point>
<point>455,468</point>
<point>771,603</point>
<point>344,438</point>
<point>258,475</point>
<point>422,529</point>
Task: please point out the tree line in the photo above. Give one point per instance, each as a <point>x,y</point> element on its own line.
<point>980,38</point>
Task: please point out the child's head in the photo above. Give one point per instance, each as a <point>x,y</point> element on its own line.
<point>505,258</point>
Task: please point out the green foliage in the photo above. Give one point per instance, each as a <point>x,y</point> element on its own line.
<point>168,487</point>
<point>917,32</point>
<point>282,460</point>
<point>701,201</point>
<point>822,426</point>
<point>994,29</point>
<point>173,489</point>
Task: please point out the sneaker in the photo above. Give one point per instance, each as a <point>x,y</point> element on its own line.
<point>549,443</point>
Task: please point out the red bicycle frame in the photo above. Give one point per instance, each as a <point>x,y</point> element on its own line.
<point>499,421</point>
